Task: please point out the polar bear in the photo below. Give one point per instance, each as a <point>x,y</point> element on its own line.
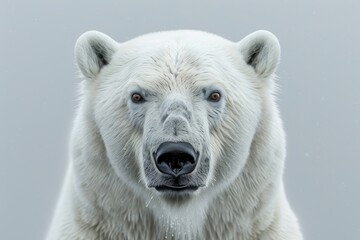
<point>177,136</point>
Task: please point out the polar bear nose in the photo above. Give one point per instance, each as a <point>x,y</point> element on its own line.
<point>175,158</point>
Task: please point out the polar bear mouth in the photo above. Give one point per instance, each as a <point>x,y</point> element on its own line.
<point>176,188</point>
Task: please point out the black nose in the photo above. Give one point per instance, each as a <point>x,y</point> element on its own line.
<point>175,158</point>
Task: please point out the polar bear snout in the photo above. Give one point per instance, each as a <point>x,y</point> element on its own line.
<point>175,158</point>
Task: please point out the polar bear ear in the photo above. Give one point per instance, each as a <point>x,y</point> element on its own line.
<point>93,50</point>
<point>261,51</point>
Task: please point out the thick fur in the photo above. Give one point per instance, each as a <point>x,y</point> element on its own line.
<point>109,188</point>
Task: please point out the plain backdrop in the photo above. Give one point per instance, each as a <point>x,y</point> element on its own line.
<point>319,98</point>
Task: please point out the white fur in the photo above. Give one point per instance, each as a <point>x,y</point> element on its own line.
<point>106,193</point>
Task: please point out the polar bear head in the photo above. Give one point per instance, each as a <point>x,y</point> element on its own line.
<point>176,111</point>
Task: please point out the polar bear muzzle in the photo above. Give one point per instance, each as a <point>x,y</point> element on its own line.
<point>176,161</point>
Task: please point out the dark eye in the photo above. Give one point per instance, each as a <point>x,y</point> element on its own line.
<point>137,98</point>
<point>214,97</point>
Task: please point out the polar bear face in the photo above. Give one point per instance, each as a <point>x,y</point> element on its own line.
<point>176,111</point>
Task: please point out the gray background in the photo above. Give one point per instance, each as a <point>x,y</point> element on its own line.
<point>319,98</point>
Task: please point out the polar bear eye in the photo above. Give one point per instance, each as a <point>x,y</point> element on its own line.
<point>214,97</point>
<point>137,98</point>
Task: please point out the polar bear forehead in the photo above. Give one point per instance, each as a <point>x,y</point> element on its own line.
<point>178,64</point>
<point>177,57</point>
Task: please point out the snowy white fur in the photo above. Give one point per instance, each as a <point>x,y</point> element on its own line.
<point>107,193</point>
